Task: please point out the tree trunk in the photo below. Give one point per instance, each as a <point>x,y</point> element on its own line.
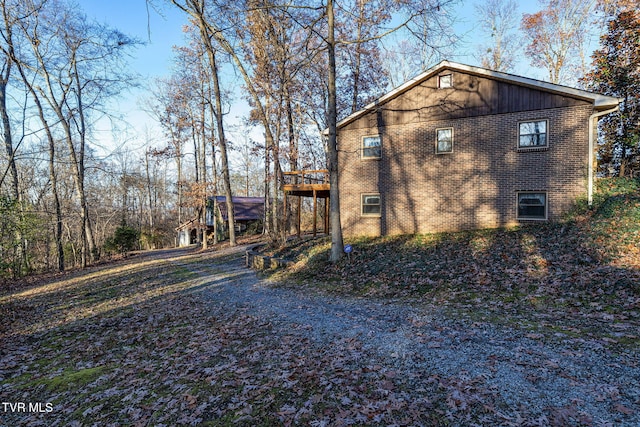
<point>203,136</point>
<point>267,193</point>
<point>6,130</point>
<point>277,223</point>
<point>149,193</point>
<point>214,177</point>
<point>52,171</point>
<point>337,244</point>
<point>179,167</point>
<point>54,184</point>
<point>293,158</point>
<point>21,247</point>
<point>56,202</point>
<point>358,60</point>
<point>80,170</point>
<point>222,142</point>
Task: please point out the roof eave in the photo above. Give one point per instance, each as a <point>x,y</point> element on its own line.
<point>600,102</point>
<point>603,102</point>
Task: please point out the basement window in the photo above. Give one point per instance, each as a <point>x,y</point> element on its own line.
<point>532,206</point>
<point>371,204</point>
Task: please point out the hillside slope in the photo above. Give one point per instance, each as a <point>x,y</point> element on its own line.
<point>588,265</point>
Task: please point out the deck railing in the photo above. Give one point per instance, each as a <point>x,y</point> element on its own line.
<point>309,183</point>
<point>320,176</point>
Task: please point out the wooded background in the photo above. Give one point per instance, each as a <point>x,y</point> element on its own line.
<point>302,66</point>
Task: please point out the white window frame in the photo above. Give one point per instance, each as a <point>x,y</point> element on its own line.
<point>438,151</point>
<point>534,147</point>
<point>363,148</point>
<point>532,217</point>
<point>445,81</point>
<point>363,204</point>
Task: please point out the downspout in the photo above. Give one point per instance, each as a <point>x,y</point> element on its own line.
<point>591,149</point>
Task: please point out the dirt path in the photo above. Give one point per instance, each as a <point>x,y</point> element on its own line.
<point>571,378</point>
<point>179,337</point>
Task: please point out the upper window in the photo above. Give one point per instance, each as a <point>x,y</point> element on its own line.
<point>371,148</point>
<point>532,205</point>
<point>445,80</point>
<point>532,134</point>
<point>371,204</point>
<point>444,140</point>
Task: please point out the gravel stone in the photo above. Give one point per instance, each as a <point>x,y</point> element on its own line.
<point>529,374</point>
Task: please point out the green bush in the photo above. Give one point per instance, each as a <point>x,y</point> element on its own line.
<point>605,188</point>
<point>124,239</point>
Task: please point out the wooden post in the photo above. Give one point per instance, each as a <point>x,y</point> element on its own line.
<point>315,213</point>
<point>326,215</point>
<point>286,215</point>
<point>299,215</point>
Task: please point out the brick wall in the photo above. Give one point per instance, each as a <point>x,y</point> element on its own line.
<point>473,187</point>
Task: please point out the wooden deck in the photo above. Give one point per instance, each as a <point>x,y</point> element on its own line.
<point>312,183</point>
<point>306,183</point>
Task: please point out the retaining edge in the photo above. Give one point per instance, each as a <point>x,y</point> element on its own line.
<point>255,260</point>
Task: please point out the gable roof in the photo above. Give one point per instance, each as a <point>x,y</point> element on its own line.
<point>188,224</point>
<point>244,208</point>
<point>600,102</point>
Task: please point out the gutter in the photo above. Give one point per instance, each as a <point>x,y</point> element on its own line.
<point>591,149</point>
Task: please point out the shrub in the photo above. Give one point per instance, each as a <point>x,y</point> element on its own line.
<point>124,239</point>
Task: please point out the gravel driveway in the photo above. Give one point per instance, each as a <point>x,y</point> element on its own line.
<point>565,382</point>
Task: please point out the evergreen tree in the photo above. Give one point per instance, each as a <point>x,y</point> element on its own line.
<point>616,72</point>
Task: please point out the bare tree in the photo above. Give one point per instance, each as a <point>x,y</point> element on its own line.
<point>202,17</point>
<point>10,52</point>
<point>498,19</point>
<point>421,40</point>
<point>276,59</point>
<point>78,64</point>
<point>337,243</point>
<point>556,36</point>
<point>5,73</point>
<point>169,108</point>
<point>12,13</point>
<point>360,55</point>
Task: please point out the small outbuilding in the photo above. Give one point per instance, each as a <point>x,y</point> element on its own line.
<point>248,218</point>
<point>248,213</point>
<point>187,232</point>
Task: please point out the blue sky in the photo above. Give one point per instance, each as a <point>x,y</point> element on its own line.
<point>162,32</point>
<point>160,29</point>
<point>154,59</point>
<point>151,60</point>
<point>133,18</point>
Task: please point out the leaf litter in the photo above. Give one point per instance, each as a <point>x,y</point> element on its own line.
<point>514,330</point>
<point>222,347</point>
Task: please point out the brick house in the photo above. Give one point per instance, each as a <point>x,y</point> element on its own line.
<point>462,147</point>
